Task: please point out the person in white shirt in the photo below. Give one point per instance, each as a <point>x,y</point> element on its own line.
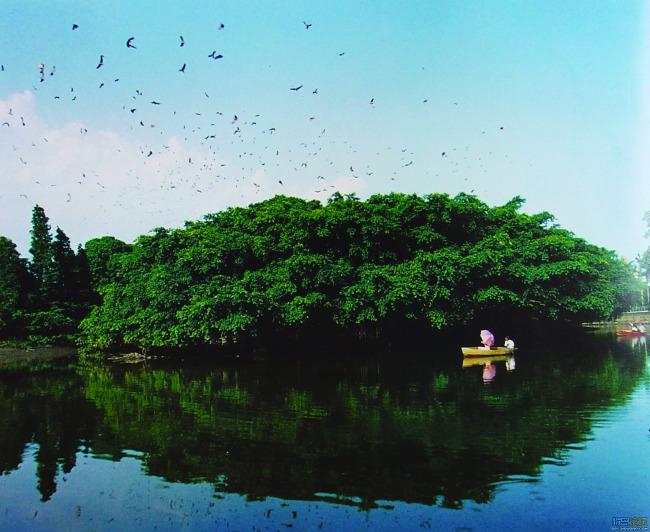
<point>509,343</point>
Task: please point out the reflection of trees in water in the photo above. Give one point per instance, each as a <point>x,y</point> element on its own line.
<point>383,433</point>
<point>377,432</point>
<point>46,408</point>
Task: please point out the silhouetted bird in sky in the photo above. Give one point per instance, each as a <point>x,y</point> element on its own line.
<point>129,41</point>
<point>296,88</point>
<point>182,69</point>
<point>101,61</point>
<point>221,26</point>
<point>307,26</point>
<point>214,55</point>
<point>75,26</point>
<point>182,41</point>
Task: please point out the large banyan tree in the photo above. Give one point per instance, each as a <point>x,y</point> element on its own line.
<point>287,265</point>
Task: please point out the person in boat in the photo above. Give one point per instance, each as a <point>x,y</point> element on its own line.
<point>509,343</point>
<point>487,339</point>
<point>634,327</point>
<point>641,327</point>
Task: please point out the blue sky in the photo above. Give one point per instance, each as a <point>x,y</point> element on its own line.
<point>546,100</point>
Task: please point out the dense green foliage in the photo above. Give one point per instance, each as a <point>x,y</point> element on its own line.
<point>43,300</point>
<point>14,286</point>
<point>288,265</point>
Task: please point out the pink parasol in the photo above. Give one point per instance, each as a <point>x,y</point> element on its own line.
<point>487,337</point>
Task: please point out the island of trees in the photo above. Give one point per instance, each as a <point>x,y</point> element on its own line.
<point>288,267</point>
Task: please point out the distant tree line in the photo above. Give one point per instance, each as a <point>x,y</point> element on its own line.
<point>289,266</point>
<point>643,261</point>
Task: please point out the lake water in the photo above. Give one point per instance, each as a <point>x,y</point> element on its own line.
<point>550,439</point>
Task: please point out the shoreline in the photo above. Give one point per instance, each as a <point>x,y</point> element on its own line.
<point>19,356</point>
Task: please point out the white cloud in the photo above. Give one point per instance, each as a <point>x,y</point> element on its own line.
<point>93,182</point>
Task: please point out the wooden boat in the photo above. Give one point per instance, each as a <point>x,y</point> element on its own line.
<point>478,352</point>
<point>629,332</point>
<point>481,361</point>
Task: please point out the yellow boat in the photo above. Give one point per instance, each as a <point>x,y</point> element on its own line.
<point>480,352</point>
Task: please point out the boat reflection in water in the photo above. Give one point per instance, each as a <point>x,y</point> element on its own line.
<point>638,343</point>
<point>489,364</point>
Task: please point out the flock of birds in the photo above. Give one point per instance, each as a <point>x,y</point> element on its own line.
<point>238,150</point>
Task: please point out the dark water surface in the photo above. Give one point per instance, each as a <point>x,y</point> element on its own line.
<point>552,439</point>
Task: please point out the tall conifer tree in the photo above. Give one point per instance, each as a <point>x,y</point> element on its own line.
<point>42,264</point>
<point>63,267</point>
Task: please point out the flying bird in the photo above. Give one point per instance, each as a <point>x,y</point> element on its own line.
<point>129,42</point>
<point>214,55</point>
<point>307,26</point>
<point>296,88</point>
<point>221,26</point>
<point>75,26</point>
<point>154,102</point>
<point>101,61</point>
<point>182,41</point>
<point>182,69</point>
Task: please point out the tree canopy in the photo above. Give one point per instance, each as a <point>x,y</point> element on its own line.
<point>44,299</point>
<point>288,264</point>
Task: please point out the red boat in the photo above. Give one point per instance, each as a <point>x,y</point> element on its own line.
<point>629,332</point>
